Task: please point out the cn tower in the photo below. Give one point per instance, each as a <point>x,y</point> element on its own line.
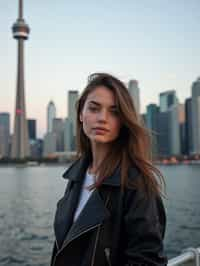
<point>20,142</point>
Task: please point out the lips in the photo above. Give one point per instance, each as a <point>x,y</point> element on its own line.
<point>101,129</point>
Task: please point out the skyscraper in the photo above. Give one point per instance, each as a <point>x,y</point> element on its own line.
<point>58,130</point>
<point>135,94</point>
<point>152,124</point>
<point>20,145</point>
<point>72,99</point>
<point>32,129</point>
<point>163,136</point>
<point>167,99</point>
<point>182,124</point>
<point>196,116</point>
<point>51,114</point>
<point>152,113</point>
<point>168,124</point>
<point>4,134</point>
<point>174,126</point>
<point>188,126</point>
<point>49,144</point>
<point>68,136</point>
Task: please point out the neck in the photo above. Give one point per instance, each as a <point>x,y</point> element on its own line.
<point>99,152</point>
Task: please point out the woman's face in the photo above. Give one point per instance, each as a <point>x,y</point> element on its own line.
<point>100,117</point>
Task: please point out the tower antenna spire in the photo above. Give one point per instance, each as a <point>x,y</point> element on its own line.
<point>20,9</point>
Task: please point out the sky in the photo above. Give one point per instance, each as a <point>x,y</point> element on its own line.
<point>156,42</point>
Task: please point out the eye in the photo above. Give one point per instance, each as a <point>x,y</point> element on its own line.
<point>114,112</point>
<point>93,108</point>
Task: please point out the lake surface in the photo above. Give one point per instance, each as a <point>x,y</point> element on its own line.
<point>28,199</point>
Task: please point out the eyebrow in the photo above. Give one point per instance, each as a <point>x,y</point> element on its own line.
<point>98,104</point>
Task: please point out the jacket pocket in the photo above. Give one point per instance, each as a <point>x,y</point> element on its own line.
<point>107,254</point>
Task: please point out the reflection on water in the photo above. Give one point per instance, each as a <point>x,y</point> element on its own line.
<point>183,208</point>
<point>28,199</point>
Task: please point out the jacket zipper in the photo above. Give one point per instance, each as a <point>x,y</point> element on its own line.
<point>107,253</point>
<point>95,245</point>
<point>56,243</point>
<point>97,236</point>
<point>73,239</point>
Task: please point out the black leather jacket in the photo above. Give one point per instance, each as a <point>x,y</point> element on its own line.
<point>114,228</point>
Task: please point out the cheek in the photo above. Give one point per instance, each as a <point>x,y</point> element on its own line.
<point>87,122</point>
<point>117,124</point>
<point>87,119</point>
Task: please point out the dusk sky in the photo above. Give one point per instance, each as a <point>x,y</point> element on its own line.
<point>156,42</point>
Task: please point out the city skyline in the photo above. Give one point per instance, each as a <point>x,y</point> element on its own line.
<point>171,124</point>
<point>156,45</point>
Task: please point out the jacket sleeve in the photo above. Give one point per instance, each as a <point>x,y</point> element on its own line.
<point>143,230</point>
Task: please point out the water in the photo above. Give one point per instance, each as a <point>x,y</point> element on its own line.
<point>28,199</point>
<point>182,207</point>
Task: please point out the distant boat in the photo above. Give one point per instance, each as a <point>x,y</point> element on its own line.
<point>32,163</point>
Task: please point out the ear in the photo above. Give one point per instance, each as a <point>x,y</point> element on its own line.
<point>81,117</point>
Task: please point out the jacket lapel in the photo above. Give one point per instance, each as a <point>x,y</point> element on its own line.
<point>66,206</point>
<point>64,213</point>
<point>92,215</point>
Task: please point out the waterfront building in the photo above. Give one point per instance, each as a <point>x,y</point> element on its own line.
<point>134,91</point>
<point>196,116</point>
<point>167,99</point>
<point>169,128</point>
<point>51,114</point>
<point>168,132</point>
<point>182,123</point>
<point>20,143</point>
<point>144,119</point>
<point>32,129</point>
<point>4,134</point>
<point>72,99</point>
<point>152,125</point>
<point>58,130</point>
<point>40,146</point>
<point>69,139</point>
<point>174,132</point>
<point>163,134</point>
<point>49,144</point>
<point>188,126</point>
<point>36,148</point>
<point>152,113</point>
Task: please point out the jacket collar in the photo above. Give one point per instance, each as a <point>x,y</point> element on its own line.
<point>74,173</point>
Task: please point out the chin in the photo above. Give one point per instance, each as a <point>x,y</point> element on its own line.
<point>101,140</point>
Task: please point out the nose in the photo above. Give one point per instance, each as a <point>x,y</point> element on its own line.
<point>103,116</point>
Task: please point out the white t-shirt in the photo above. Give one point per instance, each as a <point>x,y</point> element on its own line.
<point>85,194</point>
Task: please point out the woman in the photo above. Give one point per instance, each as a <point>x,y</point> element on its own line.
<point>112,212</point>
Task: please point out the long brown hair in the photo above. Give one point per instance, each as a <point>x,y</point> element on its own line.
<point>132,148</point>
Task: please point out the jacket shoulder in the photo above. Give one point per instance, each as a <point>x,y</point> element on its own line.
<point>71,167</point>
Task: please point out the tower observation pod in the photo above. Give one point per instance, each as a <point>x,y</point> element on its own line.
<point>20,29</point>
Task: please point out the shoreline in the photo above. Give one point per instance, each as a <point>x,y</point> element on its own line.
<point>38,164</point>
